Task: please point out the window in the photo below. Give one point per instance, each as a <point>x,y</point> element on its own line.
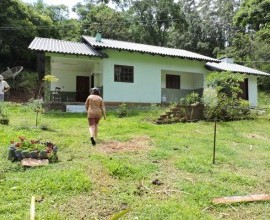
<point>123,73</point>
<point>172,81</point>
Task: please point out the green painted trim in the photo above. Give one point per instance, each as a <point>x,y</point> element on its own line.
<point>82,57</point>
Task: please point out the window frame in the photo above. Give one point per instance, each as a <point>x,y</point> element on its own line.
<point>123,73</point>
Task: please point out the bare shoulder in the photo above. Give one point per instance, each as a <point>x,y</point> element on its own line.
<point>96,97</point>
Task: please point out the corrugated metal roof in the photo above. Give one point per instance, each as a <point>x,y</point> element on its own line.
<point>223,66</point>
<point>143,48</point>
<point>61,46</point>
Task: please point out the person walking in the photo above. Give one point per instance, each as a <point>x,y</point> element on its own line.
<point>4,87</point>
<point>95,109</point>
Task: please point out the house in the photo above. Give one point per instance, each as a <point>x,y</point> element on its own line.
<point>129,72</point>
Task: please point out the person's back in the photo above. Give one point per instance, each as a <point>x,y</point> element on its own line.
<point>94,106</point>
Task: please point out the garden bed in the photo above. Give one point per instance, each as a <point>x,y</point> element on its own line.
<point>34,149</point>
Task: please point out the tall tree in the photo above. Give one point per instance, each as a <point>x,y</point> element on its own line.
<point>153,20</point>
<point>251,46</point>
<point>189,36</point>
<point>209,26</point>
<point>254,14</point>
<point>94,18</point>
<point>58,14</point>
<point>19,24</point>
<point>217,24</point>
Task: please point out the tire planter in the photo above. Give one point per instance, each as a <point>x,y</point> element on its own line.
<point>49,152</point>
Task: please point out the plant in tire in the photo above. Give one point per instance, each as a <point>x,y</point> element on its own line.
<point>35,149</point>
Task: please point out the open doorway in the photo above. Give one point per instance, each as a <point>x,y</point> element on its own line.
<point>82,88</point>
<point>244,88</point>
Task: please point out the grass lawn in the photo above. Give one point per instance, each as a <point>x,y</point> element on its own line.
<point>154,171</point>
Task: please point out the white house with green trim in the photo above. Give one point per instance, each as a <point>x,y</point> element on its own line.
<point>129,72</point>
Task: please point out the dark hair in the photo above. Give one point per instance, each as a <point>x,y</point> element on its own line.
<point>95,91</point>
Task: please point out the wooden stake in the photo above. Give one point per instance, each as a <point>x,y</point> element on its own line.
<point>248,198</point>
<point>32,208</point>
<point>215,135</point>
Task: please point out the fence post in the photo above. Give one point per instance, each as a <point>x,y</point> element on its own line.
<point>32,208</point>
<point>215,134</point>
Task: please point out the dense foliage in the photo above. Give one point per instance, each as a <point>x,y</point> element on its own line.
<point>222,100</point>
<point>239,29</point>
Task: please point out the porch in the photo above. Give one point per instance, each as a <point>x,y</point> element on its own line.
<point>75,74</point>
<point>176,85</point>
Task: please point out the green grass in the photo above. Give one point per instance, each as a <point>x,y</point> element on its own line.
<point>99,182</point>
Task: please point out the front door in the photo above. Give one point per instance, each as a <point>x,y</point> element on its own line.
<point>82,88</point>
<point>244,88</point>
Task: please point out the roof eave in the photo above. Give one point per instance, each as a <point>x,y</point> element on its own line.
<point>77,54</point>
<point>221,70</point>
<point>97,47</point>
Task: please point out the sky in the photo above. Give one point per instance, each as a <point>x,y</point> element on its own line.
<point>69,3</point>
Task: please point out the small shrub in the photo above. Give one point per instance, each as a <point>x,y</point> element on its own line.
<point>37,106</point>
<point>122,110</point>
<point>4,121</point>
<point>191,100</point>
<point>46,127</point>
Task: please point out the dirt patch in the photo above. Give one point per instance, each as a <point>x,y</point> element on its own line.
<point>90,206</point>
<point>256,136</point>
<point>134,145</point>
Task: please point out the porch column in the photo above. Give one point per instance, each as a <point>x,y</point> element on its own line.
<point>47,85</point>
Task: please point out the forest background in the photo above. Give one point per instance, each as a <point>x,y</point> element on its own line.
<point>234,28</point>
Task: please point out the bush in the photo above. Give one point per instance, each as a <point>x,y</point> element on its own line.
<point>190,101</point>
<point>26,83</point>
<point>122,110</point>
<point>221,98</point>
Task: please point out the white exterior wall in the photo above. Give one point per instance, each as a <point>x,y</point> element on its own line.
<point>148,80</point>
<point>252,90</point>
<point>187,80</point>
<point>198,81</point>
<point>149,75</point>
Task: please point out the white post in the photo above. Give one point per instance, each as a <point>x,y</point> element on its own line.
<point>32,208</point>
